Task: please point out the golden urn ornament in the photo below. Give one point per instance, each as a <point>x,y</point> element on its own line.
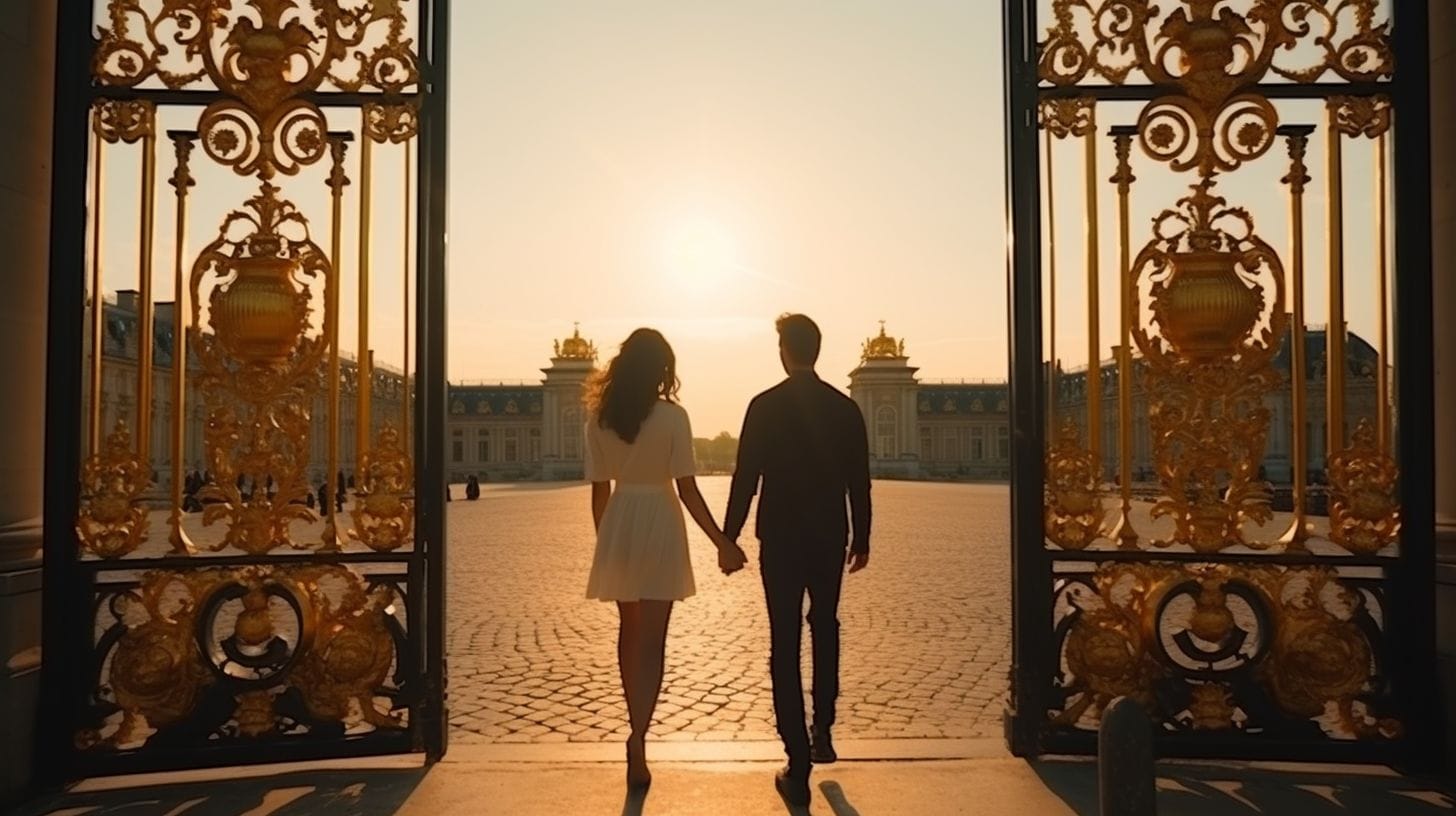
<point>1206,310</point>
<point>259,317</point>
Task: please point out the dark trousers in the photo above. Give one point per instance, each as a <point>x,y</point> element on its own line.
<point>791,569</point>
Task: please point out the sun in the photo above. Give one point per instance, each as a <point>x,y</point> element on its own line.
<point>699,253</point>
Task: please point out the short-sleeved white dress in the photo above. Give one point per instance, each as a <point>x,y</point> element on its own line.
<point>642,542</point>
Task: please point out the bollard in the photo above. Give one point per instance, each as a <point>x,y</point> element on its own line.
<point>1125,785</point>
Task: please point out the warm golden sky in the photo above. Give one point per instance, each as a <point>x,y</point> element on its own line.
<point>701,167</point>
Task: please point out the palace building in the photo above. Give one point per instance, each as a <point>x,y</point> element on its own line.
<point>918,429</point>
<point>921,429</point>
<point>517,432</point>
<point>497,431</point>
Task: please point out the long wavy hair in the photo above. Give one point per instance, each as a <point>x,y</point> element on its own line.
<point>644,371</point>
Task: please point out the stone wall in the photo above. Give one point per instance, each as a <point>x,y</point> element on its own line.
<point>1443,232</point>
<point>27,60</point>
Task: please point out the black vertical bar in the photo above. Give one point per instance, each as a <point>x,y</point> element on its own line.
<point>431,387</point>
<point>1031,588</point>
<point>1411,625</point>
<point>65,632</point>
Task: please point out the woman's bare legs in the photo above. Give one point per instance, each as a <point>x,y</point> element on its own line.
<point>641,648</point>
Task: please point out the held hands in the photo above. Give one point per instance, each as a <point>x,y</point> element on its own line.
<point>731,557</point>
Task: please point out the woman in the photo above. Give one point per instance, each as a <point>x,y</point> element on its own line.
<point>638,442</point>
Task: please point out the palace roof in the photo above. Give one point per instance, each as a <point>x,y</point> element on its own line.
<point>495,400</point>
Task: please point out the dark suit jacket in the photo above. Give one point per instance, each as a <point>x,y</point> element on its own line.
<point>806,441</point>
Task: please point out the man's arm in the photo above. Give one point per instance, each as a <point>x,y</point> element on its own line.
<point>746,473</point>
<point>857,481</point>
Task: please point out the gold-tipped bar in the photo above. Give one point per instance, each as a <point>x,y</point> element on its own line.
<point>338,146</point>
<point>98,299</point>
<point>182,144</point>
<point>1382,277</point>
<point>405,437</point>
<point>1094,341</point>
<point>1051,290</point>
<point>1296,139</point>
<point>1335,331</point>
<point>147,316</point>
<point>364,370</point>
<point>1122,135</point>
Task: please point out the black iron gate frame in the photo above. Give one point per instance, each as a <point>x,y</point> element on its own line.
<point>1410,611</point>
<point>71,584</point>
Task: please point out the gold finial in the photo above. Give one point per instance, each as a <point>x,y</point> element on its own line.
<point>575,347</point>
<point>883,347</point>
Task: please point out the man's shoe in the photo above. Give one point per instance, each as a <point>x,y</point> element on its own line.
<point>793,787</point>
<point>822,752</point>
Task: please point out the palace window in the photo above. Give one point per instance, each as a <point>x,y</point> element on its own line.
<point>535,445</point>
<point>512,445</point>
<point>571,432</point>
<point>1003,442</point>
<point>482,447</point>
<point>885,433</point>
<point>950,446</point>
<point>978,442</point>
<point>925,446</point>
<point>457,446</point>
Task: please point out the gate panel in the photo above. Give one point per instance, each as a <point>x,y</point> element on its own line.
<point>1205,226</point>
<point>234,568</point>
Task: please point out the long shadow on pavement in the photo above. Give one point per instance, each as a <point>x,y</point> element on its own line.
<point>1211,790</point>
<point>334,792</point>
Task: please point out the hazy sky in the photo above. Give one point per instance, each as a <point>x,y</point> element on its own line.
<point>702,167</point>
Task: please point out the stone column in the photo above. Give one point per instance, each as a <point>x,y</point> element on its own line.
<point>1443,231</point>
<point>27,55</point>
<point>1443,270</point>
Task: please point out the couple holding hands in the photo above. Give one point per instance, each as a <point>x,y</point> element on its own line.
<point>803,449</point>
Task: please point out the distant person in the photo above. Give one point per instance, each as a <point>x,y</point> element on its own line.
<point>472,488</point>
<point>323,498</point>
<point>806,442</point>
<point>639,441</point>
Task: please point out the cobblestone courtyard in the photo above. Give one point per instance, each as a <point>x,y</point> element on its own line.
<point>926,628</point>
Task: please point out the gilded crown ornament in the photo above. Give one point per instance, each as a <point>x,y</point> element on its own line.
<point>882,347</point>
<point>575,347</point>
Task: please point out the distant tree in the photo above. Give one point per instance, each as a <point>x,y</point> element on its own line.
<point>716,455</point>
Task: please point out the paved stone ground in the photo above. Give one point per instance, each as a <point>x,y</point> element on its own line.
<point>926,628</point>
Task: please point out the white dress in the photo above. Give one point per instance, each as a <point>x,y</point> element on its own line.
<point>642,542</point>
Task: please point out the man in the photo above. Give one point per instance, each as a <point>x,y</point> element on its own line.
<point>806,441</point>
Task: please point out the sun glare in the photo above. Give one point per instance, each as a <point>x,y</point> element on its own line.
<point>699,253</point>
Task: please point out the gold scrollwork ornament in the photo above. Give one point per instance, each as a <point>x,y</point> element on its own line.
<point>1215,55</point>
<point>112,521</point>
<point>1319,659</point>
<point>260,368</point>
<point>1067,116</point>
<point>1216,297</point>
<point>157,674</point>
<point>1211,707</point>
<point>1073,513</point>
<point>394,123</point>
<point>124,120</point>
<point>1107,647</point>
<point>1364,499</point>
<point>352,651</point>
<point>384,513</point>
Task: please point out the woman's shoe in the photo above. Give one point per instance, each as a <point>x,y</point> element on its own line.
<point>638,777</point>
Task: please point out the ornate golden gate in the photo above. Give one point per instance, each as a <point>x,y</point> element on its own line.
<point>244,519</point>
<point>1222,508</point>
